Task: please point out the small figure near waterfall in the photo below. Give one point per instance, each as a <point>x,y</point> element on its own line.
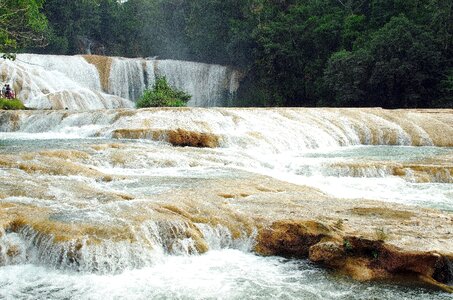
<point>8,92</point>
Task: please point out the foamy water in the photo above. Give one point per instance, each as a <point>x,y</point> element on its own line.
<point>79,83</point>
<point>65,169</point>
<point>224,274</point>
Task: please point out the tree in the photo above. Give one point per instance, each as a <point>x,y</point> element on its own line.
<point>392,53</point>
<point>346,77</point>
<point>294,43</point>
<point>407,64</point>
<point>21,24</point>
<point>400,66</point>
<point>74,24</point>
<point>163,94</point>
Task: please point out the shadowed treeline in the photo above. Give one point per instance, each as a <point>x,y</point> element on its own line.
<point>389,53</point>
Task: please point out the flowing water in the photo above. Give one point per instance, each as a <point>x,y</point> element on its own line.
<point>101,217</point>
<point>96,82</point>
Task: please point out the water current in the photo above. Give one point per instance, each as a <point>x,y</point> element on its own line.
<point>103,204</point>
<point>229,270</point>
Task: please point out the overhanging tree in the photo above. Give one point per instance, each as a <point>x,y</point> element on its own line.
<point>21,24</point>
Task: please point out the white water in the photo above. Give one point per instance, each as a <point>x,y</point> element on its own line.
<point>59,82</point>
<point>127,78</point>
<point>209,85</point>
<point>225,274</point>
<point>306,147</point>
<point>268,131</point>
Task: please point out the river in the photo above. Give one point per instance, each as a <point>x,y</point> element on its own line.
<point>103,204</point>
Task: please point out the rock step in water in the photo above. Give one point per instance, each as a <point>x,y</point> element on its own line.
<point>280,129</point>
<point>367,240</point>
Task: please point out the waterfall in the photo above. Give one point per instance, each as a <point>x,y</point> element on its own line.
<point>58,82</point>
<point>209,85</point>
<point>281,129</point>
<point>95,200</point>
<point>127,78</point>
<point>96,82</point>
<point>75,68</point>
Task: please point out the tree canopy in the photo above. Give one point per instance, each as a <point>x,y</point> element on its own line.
<point>389,53</point>
<point>21,24</point>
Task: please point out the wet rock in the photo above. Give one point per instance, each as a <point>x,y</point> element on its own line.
<point>362,259</point>
<point>103,64</point>
<point>178,137</point>
<point>181,137</point>
<point>326,252</point>
<point>13,251</point>
<point>291,238</point>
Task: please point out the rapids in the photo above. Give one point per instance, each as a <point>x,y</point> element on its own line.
<point>97,82</point>
<point>103,204</point>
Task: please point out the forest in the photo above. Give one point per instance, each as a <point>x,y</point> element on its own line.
<point>353,53</point>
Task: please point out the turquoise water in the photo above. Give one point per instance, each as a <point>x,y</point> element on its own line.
<point>153,167</point>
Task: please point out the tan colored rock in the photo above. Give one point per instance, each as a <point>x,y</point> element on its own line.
<point>329,252</point>
<point>291,238</point>
<point>178,137</point>
<point>365,239</point>
<point>103,64</point>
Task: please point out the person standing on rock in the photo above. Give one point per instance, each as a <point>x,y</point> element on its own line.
<point>9,93</point>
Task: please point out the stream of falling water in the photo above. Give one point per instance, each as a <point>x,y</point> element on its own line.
<point>97,82</point>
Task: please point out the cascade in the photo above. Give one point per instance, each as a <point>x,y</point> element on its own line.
<point>281,130</point>
<point>58,82</point>
<point>96,82</point>
<point>173,200</point>
<point>75,68</point>
<point>209,85</point>
<point>127,78</point>
<point>151,241</point>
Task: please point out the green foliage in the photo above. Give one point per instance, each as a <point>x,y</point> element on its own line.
<point>399,67</point>
<point>293,47</point>
<point>21,24</point>
<point>11,104</point>
<point>389,53</point>
<point>446,88</point>
<point>346,77</point>
<point>163,94</point>
<point>353,28</point>
<point>406,64</point>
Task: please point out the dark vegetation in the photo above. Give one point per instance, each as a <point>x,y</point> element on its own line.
<point>163,94</point>
<point>389,53</point>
